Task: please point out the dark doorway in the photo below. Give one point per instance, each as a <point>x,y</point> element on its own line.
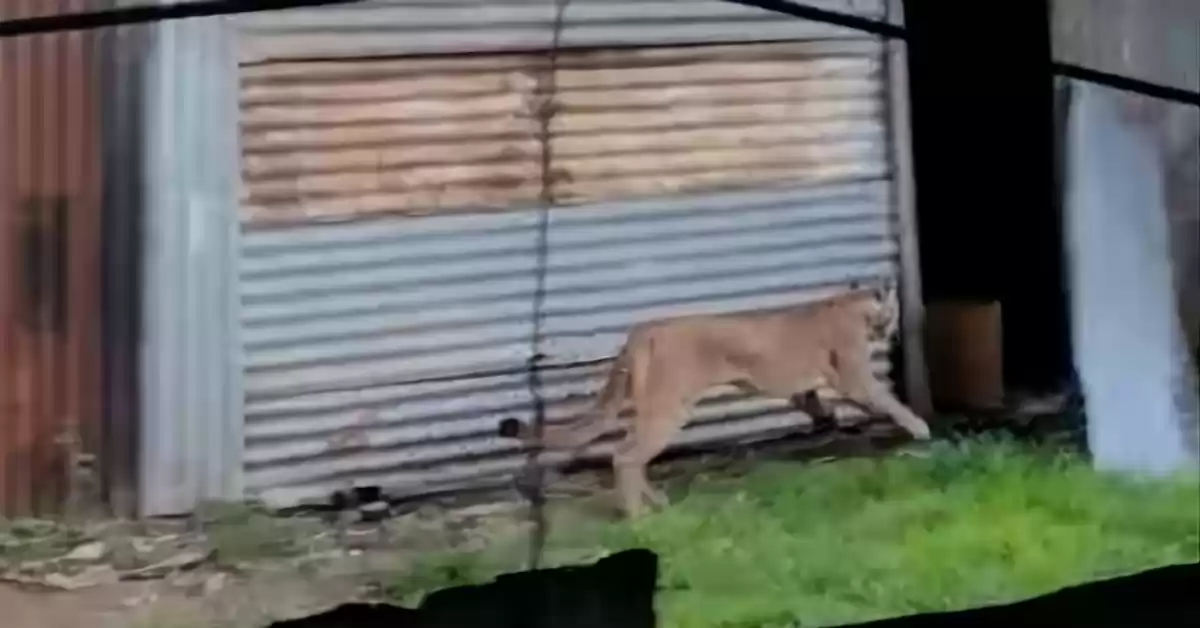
<point>983,125</point>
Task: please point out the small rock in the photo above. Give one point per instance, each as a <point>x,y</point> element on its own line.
<point>143,545</point>
<point>186,579</point>
<point>88,552</point>
<point>374,511</point>
<point>123,555</point>
<point>92,576</point>
<point>198,584</point>
<point>360,538</point>
<point>214,584</point>
<point>148,597</point>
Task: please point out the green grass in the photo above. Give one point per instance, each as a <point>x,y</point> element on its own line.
<point>35,539</point>
<point>791,544</point>
<point>243,533</point>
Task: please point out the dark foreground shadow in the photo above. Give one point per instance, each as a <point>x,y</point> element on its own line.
<point>618,592</point>
<point>1159,597</point>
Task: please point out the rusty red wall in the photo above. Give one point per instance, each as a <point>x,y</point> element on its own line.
<point>50,271</point>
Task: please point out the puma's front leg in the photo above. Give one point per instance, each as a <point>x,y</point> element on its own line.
<point>876,397</point>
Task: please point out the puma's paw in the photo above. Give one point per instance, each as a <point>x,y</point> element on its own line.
<point>920,432</point>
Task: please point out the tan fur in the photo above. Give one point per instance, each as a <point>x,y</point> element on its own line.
<point>666,366</point>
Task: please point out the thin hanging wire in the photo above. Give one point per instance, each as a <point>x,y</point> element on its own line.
<point>545,105</point>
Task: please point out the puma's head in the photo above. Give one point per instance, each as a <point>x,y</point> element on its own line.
<point>884,313</point>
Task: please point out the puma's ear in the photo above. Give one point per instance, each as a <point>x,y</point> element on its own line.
<point>887,290</point>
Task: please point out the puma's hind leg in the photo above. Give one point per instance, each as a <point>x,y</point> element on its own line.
<point>652,430</point>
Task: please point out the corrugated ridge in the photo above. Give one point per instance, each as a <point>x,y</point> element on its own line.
<point>396,27</point>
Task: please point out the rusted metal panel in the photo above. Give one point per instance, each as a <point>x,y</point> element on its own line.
<point>326,140</point>
<point>415,27</point>
<point>636,123</point>
<point>50,376</point>
<point>425,135</point>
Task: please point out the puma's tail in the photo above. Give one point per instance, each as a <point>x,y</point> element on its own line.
<point>599,420</point>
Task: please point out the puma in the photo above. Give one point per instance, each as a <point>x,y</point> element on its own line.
<point>666,366</point>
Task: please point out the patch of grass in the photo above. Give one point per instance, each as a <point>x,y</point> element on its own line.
<point>243,533</point>
<point>791,544</point>
<point>35,539</point>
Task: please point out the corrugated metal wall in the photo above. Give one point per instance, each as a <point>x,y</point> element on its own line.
<point>50,385</point>
<point>384,348</point>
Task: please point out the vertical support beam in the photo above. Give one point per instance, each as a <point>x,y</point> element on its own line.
<point>191,447</point>
<point>912,304</point>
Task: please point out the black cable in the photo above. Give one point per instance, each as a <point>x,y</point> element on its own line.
<point>884,28</point>
<point>122,16</point>
<point>160,12</point>
<point>545,105</point>
<point>1128,84</point>
<point>875,27</point>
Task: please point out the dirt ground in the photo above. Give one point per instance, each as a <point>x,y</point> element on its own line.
<point>247,587</point>
<point>242,568</point>
<point>250,567</point>
<point>251,594</point>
